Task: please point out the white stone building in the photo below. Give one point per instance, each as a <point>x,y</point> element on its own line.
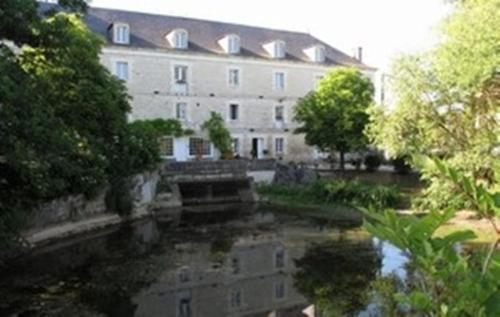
<point>186,68</point>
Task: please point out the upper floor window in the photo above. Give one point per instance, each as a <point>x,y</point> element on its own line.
<point>234,111</point>
<point>234,77</point>
<point>279,114</point>
<point>279,81</point>
<point>279,259</point>
<point>317,81</point>
<point>233,44</point>
<point>121,70</point>
<point>121,33</point>
<point>178,39</point>
<point>316,53</point>
<point>277,49</point>
<point>180,74</point>
<point>181,111</point>
<point>236,298</point>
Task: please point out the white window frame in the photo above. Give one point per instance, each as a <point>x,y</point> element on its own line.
<point>319,54</point>
<point>275,285</point>
<point>230,299</point>
<point>238,112</point>
<point>275,81</point>
<point>229,77</point>
<point>317,78</point>
<point>174,73</point>
<point>203,155</point>
<point>275,112</point>
<point>116,69</point>
<point>181,39</point>
<point>279,49</point>
<point>240,144</point>
<point>233,44</point>
<point>275,144</point>
<point>186,111</point>
<point>162,139</point>
<point>117,37</point>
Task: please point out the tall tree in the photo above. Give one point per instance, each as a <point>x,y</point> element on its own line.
<point>333,117</point>
<point>448,101</point>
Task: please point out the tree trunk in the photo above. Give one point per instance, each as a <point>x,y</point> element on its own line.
<point>342,160</point>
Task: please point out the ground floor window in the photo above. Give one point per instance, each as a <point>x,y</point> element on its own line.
<point>167,146</point>
<point>236,298</point>
<point>279,145</point>
<point>236,146</point>
<point>199,147</point>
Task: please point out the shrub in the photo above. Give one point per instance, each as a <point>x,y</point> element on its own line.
<point>372,162</point>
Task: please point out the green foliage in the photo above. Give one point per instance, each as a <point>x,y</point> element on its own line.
<point>448,101</point>
<point>218,134</point>
<point>334,116</point>
<point>446,282</point>
<point>372,162</point>
<point>348,193</point>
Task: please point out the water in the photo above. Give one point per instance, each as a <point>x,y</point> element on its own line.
<point>238,262</point>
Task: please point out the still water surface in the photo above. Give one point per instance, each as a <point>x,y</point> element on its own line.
<point>241,261</point>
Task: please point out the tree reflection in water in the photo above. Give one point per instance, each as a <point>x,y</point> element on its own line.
<point>336,275</point>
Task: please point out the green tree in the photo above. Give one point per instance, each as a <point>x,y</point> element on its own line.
<point>448,100</point>
<point>219,134</point>
<point>334,117</point>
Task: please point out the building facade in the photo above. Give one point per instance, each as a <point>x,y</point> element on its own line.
<point>186,68</point>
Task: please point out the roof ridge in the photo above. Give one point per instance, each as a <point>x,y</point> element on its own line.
<point>200,20</point>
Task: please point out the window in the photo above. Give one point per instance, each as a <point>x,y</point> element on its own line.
<point>184,307</point>
<point>180,74</point>
<point>199,147</point>
<point>121,34</point>
<point>234,112</point>
<point>233,44</point>
<point>279,114</point>
<point>236,146</point>
<point>319,54</point>
<point>184,275</point>
<point>279,81</point>
<point>279,290</point>
<point>318,80</point>
<point>279,145</point>
<point>279,49</point>
<point>234,77</point>
<point>235,266</point>
<point>279,259</point>
<point>236,298</point>
<point>181,39</point>
<point>167,147</point>
<point>181,111</point>
<point>121,70</point>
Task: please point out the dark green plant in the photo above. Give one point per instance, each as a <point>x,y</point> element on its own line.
<point>218,134</point>
<point>372,162</point>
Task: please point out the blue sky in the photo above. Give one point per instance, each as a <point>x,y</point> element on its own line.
<point>383,28</point>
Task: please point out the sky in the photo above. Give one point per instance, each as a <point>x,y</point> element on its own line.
<point>384,28</point>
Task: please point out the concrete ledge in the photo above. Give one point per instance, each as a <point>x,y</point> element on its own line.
<point>68,229</point>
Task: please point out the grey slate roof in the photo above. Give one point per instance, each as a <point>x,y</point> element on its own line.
<point>149,31</point>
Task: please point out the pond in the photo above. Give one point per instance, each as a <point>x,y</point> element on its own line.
<point>238,261</point>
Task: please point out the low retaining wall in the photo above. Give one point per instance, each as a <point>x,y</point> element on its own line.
<point>378,177</point>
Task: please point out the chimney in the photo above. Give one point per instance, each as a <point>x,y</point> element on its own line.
<point>359,56</point>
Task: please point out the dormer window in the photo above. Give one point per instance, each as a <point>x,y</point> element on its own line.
<point>230,44</point>
<point>121,33</point>
<point>178,39</point>
<point>276,49</point>
<point>316,53</point>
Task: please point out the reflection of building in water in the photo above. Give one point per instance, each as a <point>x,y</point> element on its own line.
<point>255,279</point>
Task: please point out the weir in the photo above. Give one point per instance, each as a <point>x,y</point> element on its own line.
<point>210,182</point>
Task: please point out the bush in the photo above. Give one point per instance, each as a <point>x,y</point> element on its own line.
<point>372,162</point>
<point>401,166</point>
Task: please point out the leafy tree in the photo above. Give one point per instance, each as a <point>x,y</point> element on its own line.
<point>219,134</point>
<point>448,100</point>
<point>334,117</point>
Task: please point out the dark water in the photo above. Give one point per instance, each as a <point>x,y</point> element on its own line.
<point>242,261</point>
